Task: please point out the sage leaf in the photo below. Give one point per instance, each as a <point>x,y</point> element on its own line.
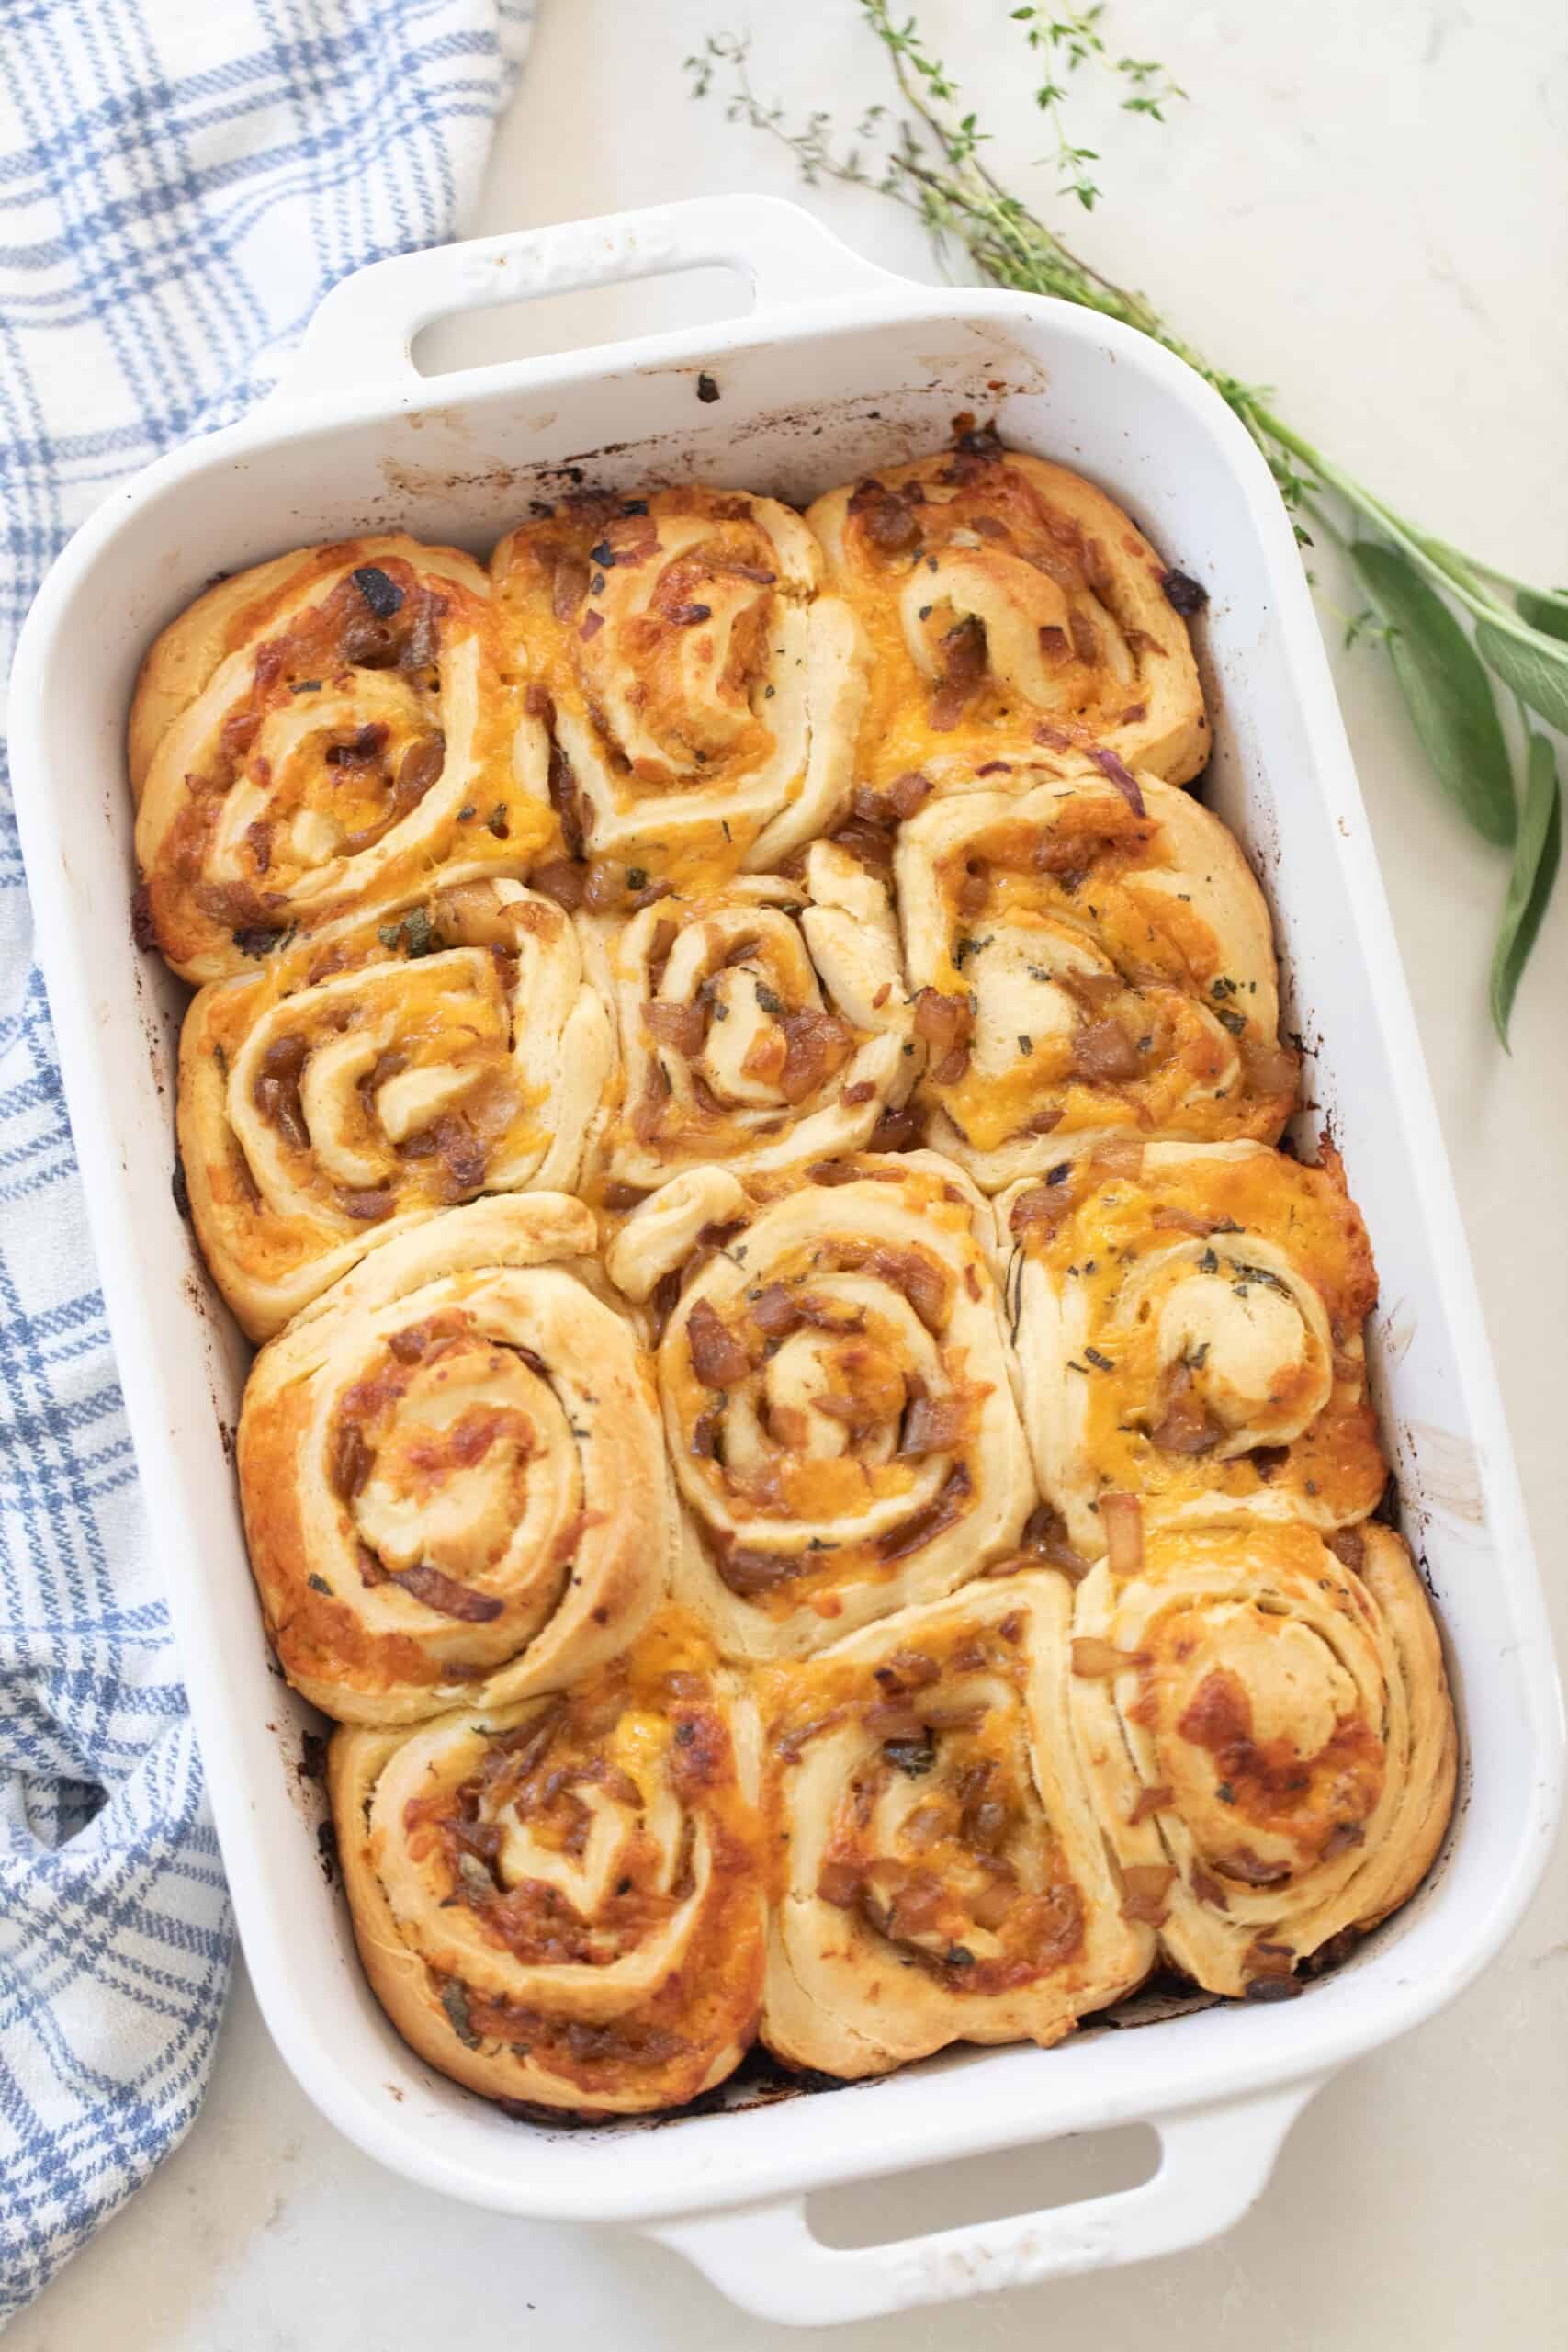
<point>1538,671</point>
<point>1536,856</point>
<point>1546,609</point>
<point>1446,690</point>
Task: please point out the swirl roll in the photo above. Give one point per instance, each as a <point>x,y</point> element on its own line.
<point>315,737</point>
<point>339,1095</point>
<point>770,1024</point>
<point>1268,1737</point>
<point>1007,599</point>
<point>559,1902</point>
<point>837,1390</point>
<point>1087,954</point>
<point>691,697</point>
<point>1189,1321</point>
<point>945,1876</point>
<point>451,1472</point>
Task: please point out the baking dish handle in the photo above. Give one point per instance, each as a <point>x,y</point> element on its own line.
<point>1215,2162</point>
<point>363,332</point>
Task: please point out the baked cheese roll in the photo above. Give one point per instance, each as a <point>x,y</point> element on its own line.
<point>1189,1321</point>
<point>559,1902</point>
<point>334,1097</point>
<point>450,1467</point>
<point>1087,954</point>
<point>692,696</point>
<point>944,1876</point>
<point>763,1024</point>
<point>837,1390</point>
<point>314,737</point>
<point>1007,599</point>
<point>1267,1731</point>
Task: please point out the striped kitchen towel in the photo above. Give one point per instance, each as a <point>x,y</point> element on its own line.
<point>180,182</point>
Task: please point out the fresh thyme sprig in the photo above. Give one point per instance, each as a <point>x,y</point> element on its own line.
<point>925,154</point>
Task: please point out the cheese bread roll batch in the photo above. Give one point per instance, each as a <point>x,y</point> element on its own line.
<point>811,1429</point>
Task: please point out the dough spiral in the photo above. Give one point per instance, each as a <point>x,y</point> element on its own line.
<point>946,1878</point>
<point>1268,1737</point>
<point>761,1025</point>
<point>336,1096</point>
<point>691,697</point>
<point>1009,601</point>
<point>837,1390</point>
<point>451,1472</point>
<point>560,1901</point>
<point>1087,956</point>
<point>1189,1327</point>
<point>316,737</point>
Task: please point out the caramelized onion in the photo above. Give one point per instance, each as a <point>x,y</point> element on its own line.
<point>838,1883</point>
<point>933,1520</point>
<point>1044,1538</point>
<point>1169,1220</point>
<point>965,653</point>
<point>562,879</point>
<point>1126,783</point>
<point>1094,1660</point>
<point>1121,1516</point>
<point>1270,1069</point>
<point>1091,991</point>
<point>908,1671</point>
<point>931,1425</point>
<point>1187,1426</point>
<point>945,1023</point>
<point>449,1599</point>
<point>897,1131</point>
<point>1042,1208</point>
<point>719,1358</point>
<point>1103,1050</point>
<point>352,1460</point>
<point>1250,1869</point>
<point>775,1311</point>
<point>747,1573</point>
<point>1144,1889</point>
<point>815,1045</point>
<point>681,1026</point>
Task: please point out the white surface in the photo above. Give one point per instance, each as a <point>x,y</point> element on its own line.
<point>1301,157</point>
<point>858,339</point>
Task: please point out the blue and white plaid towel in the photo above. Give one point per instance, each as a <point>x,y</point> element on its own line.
<point>180,182</point>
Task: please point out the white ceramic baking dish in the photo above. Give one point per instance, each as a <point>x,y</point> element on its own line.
<point>833,366</point>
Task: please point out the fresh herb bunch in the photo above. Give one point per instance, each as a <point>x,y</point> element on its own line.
<point>926,154</point>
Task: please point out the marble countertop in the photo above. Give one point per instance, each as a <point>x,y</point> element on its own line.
<point>1367,208</point>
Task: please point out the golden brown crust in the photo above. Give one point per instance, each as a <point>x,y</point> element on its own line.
<point>837,1390</point>
<point>763,1025</point>
<point>561,1901</point>
<point>451,1472</point>
<point>179,665</point>
<point>1189,1319</point>
<point>1087,956</point>
<point>691,697</point>
<point>315,738</point>
<point>1269,1733</point>
<point>343,1092</point>
<point>944,1876</point>
<point>1009,602</point>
